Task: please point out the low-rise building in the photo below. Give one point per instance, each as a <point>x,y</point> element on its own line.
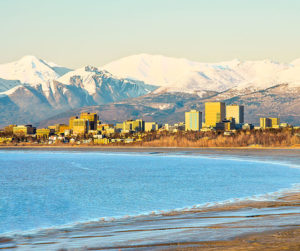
<point>63,128</point>
<point>284,125</point>
<point>23,130</point>
<point>4,140</point>
<point>44,132</point>
<point>247,126</point>
<point>269,123</point>
<point>226,125</point>
<point>103,141</point>
<point>9,129</point>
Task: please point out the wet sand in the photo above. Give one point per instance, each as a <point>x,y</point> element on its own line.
<point>265,225</point>
<point>241,225</point>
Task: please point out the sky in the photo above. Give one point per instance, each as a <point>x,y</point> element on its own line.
<point>75,33</point>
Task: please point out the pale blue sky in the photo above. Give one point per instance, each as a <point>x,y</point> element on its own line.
<point>76,32</point>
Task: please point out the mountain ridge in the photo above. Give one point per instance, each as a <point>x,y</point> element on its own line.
<point>31,102</point>
<point>173,74</point>
<point>185,82</point>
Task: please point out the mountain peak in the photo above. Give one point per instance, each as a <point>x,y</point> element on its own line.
<point>29,58</point>
<point>30,70</point>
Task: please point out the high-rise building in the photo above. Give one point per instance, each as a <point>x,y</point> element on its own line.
<point>151,126</point>
<point>236,112</point>
<point>265,123</point>
<point>275,122</point>
<point>80,126</point>
<point>193,120</point>
<point>92,118</point>
<point>215,112</point>
<point>71,122</point>
<point>134,125</point>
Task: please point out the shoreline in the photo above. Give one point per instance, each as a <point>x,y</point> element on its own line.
<point>238,236</point>
<point>260,225</point>
<point>145,147</point>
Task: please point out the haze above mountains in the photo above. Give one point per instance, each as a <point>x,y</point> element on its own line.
<point>148,86</point>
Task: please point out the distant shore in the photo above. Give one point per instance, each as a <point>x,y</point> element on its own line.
<point>238,151</point>
<point>34,146</point>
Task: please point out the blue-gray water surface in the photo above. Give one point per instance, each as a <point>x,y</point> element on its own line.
<point>41,189</point>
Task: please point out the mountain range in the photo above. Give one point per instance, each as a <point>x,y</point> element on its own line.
<point>152,87</point>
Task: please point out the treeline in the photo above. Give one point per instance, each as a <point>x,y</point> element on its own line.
<point>264,138</point>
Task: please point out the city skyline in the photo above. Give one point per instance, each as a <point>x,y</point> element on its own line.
<point>74,34</point>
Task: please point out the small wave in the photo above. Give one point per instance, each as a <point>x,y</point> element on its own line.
<point>103,221</point>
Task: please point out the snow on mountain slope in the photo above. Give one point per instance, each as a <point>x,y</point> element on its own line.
<point>95,81</point>
<point>174,74</point>
<point>154,69</point>
<point>8,84</point>
<point>84,77</point>
<point>87,86</point>
<point>31,70</point>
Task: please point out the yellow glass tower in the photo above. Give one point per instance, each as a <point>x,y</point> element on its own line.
<point>236,112</point>
<point>265,123</point>
<point>193,120</point>
<point>71,120</point>
<point>275,122</point>
<point>80,126</point>
<point>92,118</point>
<point>215,112</point>
<point>134,125</point>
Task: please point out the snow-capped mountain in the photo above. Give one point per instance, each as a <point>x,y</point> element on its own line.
<point>32,89</point>
<point>182,75</point>
<point>175,74</point>
<point>6,85</point>
<point>31,70</point>
<point>38,91</point>
<point>103,87</point>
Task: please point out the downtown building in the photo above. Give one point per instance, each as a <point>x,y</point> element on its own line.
<point>215,112</point>
<point>193,120</point>
<point>236,112</point>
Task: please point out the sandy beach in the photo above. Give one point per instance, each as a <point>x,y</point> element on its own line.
<point>240,225</point>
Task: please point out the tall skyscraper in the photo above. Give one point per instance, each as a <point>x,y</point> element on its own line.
<point>92,118</point>
<point>193,120</point>
<point>275,122</point>
<point>215,112</point>
<point>80,126</point>
<point>236,112</point>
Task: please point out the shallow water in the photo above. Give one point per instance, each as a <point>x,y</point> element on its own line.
<point>45,189</point>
